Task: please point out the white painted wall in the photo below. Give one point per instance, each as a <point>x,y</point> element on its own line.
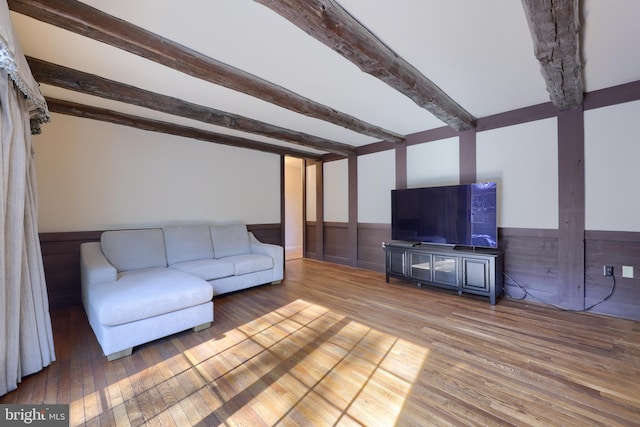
<point>94,175</point>
<point>336,191</point>
<point>376,179</point>
<point>612,168</point>
<point>311,193</point>
<point>523,160</point>
<point>433,163</point>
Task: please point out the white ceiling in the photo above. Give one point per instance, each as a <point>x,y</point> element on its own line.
<point>478,51</point>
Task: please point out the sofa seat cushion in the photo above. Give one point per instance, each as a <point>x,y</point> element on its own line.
<point>147,293</point>
<point>206,269</point>
<point>250,263</point>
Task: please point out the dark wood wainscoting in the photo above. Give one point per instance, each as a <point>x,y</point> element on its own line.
<point>267,233</point>
<point>61,259</point>
<point>336,242</point>
<point>370,252</point>
<point>530,259</point>
<point>310,250</point>
<point>615,248</point>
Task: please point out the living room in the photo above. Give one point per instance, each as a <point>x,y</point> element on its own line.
<point>567,198</point>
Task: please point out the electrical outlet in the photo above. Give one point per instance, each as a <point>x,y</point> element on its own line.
<point>608,270</point>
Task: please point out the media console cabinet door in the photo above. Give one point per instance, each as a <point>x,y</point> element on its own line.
<point>396,261</point>
<point>476,274</point>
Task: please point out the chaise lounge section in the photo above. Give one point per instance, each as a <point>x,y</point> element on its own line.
<point>141,285</point>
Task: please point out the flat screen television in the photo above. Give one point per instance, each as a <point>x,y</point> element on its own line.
<point>463,215</point>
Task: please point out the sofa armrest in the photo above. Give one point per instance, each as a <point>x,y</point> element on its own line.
<point>94,266</point>
<point>274,251</point>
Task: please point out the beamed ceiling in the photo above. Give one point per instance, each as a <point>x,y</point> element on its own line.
<point>309,78</point>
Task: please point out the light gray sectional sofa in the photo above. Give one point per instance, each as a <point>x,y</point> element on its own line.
<point>141,285</point>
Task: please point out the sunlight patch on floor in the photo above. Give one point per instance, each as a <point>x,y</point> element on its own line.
<point>304,362</point>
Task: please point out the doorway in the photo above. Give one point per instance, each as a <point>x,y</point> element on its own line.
<point>294,172</point>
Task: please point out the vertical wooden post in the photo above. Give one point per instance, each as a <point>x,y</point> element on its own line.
<point>468,156</point>
<point>283,216</point>
<point>319,211</point>
<point>353,210</point>
<point>571,204</point>
<point>401,165</point>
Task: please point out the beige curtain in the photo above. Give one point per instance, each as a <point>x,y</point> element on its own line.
<point>26,338</point>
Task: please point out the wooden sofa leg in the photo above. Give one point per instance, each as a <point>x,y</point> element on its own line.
<point>201,327</point>
<point>119,354</point>
<point>277,282</point>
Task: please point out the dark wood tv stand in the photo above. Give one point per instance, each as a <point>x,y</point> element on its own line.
<point>475,271</point>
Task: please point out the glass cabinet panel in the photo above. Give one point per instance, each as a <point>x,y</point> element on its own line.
<point>445,269</point>
<point>421,266</point>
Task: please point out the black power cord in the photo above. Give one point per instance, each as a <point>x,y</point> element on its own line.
<point>528,293</point>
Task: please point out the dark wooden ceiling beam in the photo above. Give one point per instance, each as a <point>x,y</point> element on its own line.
<point>555,29</point>
<point>110,116</point>
<point>85,20</point>
<point>67,78</point>
<point>328,22</point>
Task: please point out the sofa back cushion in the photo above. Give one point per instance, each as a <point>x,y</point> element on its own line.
<point>134,249</point>
<point>187,243</point>
<point>230,239</point>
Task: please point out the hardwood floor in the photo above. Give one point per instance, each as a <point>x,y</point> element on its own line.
<point>334,345</point>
